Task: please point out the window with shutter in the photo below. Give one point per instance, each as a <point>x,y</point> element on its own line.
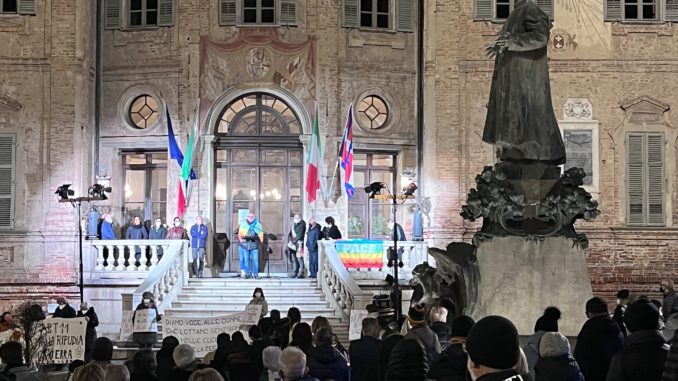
<point>26,7</point>
<point>227,12</point>
<point>500,9</point>
<point>482,9</point>
<point>288,12</point>
<point>112,14</point>
<point>7,180</point>
<point>165,12</point>
<point>645,179</point>
<point>613,10</point>
<point>671,10</point>
<point>350,19</point>
<point>405,15</point>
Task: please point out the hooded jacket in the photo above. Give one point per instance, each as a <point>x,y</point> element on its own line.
<point>136,232</point>
<point>598,340</point>
<point>642,358</point>
<point>452,365</point>
<point>557,368</point>
<point>326,362</point>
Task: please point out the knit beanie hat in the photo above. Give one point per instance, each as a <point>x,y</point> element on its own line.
<point>596,305</point>
<point>553,344</point>
<point>102,350</point>
<point>461,325</point>
<point>549,321</point>
<point>183,355</point>
<point>493,342</point>
<point>416,315</point>
<point>623,294</point>
<point>641,314</point>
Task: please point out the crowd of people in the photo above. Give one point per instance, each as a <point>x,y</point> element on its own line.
<point>634,343</point>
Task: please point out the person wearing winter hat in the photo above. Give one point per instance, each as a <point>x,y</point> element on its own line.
<point>618,315</point>
<point>186,363</point>
<point>598,340</point>
<point>645,350</point>
<point>493,350</point>
<point>548,322</point>
<point>452,365</point>
<point>416,320</point>
<point>102,352</point>
<point>555,360</point>
<point>164,357</point>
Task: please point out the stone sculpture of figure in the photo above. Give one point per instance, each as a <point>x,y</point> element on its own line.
<point>520,119</point>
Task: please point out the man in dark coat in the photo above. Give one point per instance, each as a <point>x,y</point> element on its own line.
<point>295,243</point>
<point>324,361</point>
<point>364,352</point>
<point>397,234</point>
<point>618,315</point>
<point>520,119</point>
<point>64,310</point>
<point>598,340</point>
<point>313,235</point>
<point>136,230</point>
<point>452,365</point>
<point>91,333</point>
<point>645,350</point>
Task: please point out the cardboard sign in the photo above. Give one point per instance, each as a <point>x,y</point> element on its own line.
<point>126,326</point>
<point>5,336</point>
<point>144,321</point>
<point>201,333</point>
<point>355,326</point>
<point>65,340</point>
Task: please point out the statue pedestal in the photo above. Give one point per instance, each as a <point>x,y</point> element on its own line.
<point>519,279</point>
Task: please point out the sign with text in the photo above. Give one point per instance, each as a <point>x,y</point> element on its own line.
<point>355,326</point>
<point>126,326</point>
<point>65,340</point>
<point>144,321</point>
<point>201,333</point>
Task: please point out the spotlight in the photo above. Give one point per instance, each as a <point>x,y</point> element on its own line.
<point>375,188</point>
<point>64,192</point>
<point>97,190</point>
<point>409,190</point>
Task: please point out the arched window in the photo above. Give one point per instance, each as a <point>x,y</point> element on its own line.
<point>259,114</point>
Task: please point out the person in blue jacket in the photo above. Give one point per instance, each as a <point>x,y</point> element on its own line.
<point>198,241</point>
<point>107,231</point>
<point>137,231</point>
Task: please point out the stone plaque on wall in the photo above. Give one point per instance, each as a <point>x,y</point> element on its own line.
<point>579,151</point>
<point>7,254</point>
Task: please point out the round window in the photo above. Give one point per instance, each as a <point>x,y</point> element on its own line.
<point>372,112</point>
<point>143,112</point>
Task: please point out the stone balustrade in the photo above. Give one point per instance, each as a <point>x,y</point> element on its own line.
<point>127,258</point>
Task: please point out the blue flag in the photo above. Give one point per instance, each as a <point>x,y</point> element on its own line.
<point>174,150</point>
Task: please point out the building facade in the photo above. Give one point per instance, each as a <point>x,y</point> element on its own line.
<point>81,104</point>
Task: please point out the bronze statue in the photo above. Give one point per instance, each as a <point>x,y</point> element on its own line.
<point>520,119</point>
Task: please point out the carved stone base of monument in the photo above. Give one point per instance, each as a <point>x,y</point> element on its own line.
<point>520,278</point>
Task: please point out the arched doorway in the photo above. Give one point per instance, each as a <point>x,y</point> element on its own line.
<point>258,167</point>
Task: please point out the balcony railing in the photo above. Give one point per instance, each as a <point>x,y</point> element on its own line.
<point>117,258</point>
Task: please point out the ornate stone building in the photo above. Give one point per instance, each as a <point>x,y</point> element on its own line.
<point>81,104</point>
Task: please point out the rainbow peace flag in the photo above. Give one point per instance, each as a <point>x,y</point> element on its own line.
<point>361,253</point>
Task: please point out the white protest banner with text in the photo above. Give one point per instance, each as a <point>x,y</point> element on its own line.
<point>356,324</point>
<point>126,326</point>
<point>144,321</point>
<point>65,340</point>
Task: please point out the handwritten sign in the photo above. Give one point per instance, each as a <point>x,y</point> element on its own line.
<point>65,340</point>
<point>126,326</point>
<point>144,321</point>
<point>355,326</point>
<point>201,333</point>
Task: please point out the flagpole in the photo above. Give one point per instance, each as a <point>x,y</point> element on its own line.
<point>326,198</point>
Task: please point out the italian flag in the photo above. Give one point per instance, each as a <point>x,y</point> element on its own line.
<point>313,162</point>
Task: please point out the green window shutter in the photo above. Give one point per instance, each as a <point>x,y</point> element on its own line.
<point>111,14</point>
<point>350,19</point>
<point>7,180</point>
<point>483,9</point>
<point>27,7</point>
<point>405,14</point>
<point>546,6</point>
<point>165,12</point>
<point>227,12</point>
<point>613,10</point>
<point>288,12</point>
<point>671,10</point>
<point>634,178</point>
<point>655,179</point>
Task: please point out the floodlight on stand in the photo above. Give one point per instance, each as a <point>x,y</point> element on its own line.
<point>64,192</point>
<point>410,189</point>
<point>99,191</point>
<point>374,188</point>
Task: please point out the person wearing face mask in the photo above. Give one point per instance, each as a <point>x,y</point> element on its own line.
<point>136,231</point>
<point>250,234</point>
<point>258,298</point>
<point>177,231</point>
<point>146,339</point>
<point>158,231</point>
<point>64,310</point>
<point>198,243</point>
<point>295,243</point>
<point>91,333</point>
<point>107,231</point>
<point>312,237</point>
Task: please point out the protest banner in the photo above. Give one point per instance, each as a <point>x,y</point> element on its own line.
<point>63,340</point>
<point>4,336</point>
<point>144,321</point>
<point>126,326</point>
<point>201,332</point>
<point>355,326</point>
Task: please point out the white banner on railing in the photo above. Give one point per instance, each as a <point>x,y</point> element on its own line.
<point>201,333</point>
<point>144,321</point>
<point>355,326</point>
<point>65,340</point>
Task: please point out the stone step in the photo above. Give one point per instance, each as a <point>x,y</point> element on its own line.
<point>254,282</point>
<point>227,291</point>
<point>231,305</point>
<point>185,311</point>
<point>245,299</point>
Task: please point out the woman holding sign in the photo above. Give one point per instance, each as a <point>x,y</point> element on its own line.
<point>258,298</point>
<point>146,330</point>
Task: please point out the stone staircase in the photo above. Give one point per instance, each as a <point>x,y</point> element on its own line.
<point>221,296</point>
